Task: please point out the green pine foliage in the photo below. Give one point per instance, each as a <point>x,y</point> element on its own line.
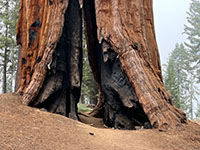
<point>176,76</point>
<point>192,31</point>
<point>8,47</point>
<point>198,110</point>
<point>171,83</point>
<point>180,81</point>
<point>183,70</point>
<point>83,108</point>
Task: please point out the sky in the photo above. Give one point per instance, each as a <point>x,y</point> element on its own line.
<point>169,17</point>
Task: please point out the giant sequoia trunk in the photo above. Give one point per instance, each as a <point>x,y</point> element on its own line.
<point>123,55</point>
<point>50,34</point>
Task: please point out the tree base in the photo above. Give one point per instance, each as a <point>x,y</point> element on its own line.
<point>60,92</point>
<point>121,107</point>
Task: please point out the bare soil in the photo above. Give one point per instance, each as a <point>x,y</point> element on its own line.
<point>25,128</point>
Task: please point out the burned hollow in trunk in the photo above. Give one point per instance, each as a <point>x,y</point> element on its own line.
<point>118,104</point>
<point>60,92</point>
<point>123,56</point>
<point>121,107</point>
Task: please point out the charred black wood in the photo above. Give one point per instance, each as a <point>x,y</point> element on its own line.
<point>93,45</point>
<point>60,92</point>
<point>32,36</point>
<point>94,50</point>
<point>36,23</point>
<point>50,2</point>
<point>121,107</point>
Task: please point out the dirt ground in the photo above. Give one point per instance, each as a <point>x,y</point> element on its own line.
<point>25,128</point>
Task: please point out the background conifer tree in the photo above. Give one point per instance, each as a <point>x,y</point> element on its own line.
<point>8,48</point>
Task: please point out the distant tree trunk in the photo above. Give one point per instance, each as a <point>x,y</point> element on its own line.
<point>17,78</point>
<point>5,61</point>
<point>123,56</point>
<point>93,100</point>
<point>5,71</point>
<point>82,99</point>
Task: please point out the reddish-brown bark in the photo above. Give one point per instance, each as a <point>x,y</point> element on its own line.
<point>49,33</point>
<point>120,36</point>
<point>128,27</point>
<point>39,28</point>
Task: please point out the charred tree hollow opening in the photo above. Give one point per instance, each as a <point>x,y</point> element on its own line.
<point>121,106</point>
<point>61,90</point>
<point>118,104</point>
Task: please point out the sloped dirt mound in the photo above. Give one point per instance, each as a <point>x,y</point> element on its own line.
<point>25,128</point>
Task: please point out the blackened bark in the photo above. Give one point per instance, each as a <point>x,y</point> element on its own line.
<point>61,89</point>
<point>117,103</point>
<point>123,55</point>
<point>128,28</point>
<point>93,45</point>
<point>94,50</point>
<point>122,109</point>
